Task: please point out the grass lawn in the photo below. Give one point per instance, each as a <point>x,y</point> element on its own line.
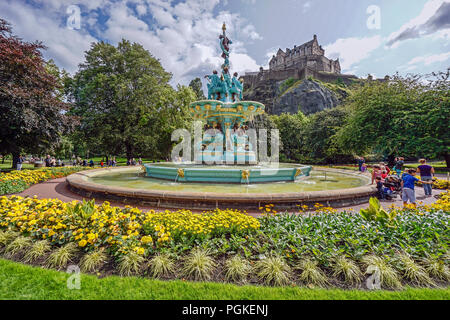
<point>18,281</point>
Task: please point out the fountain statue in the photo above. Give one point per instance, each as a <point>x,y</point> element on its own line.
<point>226,140</point>
<point>225,115</point>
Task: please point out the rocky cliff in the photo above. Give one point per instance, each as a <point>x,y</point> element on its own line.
<point>309,96</point>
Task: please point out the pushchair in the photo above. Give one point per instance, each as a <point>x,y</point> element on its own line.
<point>392,186</point>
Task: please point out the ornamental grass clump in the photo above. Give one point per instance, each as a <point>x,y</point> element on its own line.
<point>412,271</point>
<point>347,269</point>
<point>161,265</point>
<point>437,268</point>
<point>38,250</point>
<point>198,265</point>
<point>62,256</point>
<point>273,270</point>
<point>237,269</point>
<point>130,264</point>
<point>93,261</point>
<point>388,277</point>
<point>17,246</point>
<point>311,273</point>
<point>7,236</point>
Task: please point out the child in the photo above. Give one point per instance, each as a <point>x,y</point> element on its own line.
<point>363,167</point>
<point>408,193</point>
<point>383,192</point>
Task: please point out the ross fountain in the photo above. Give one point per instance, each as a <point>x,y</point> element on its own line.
<point>225,172</point>
<point>226,116</point>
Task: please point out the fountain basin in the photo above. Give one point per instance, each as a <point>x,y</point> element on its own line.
<point>225,174</point>
<point>127,185</point>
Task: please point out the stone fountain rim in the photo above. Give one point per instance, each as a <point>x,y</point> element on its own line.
<point>79,183</point>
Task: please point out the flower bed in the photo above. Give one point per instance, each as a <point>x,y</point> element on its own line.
<point>17,181</point>
<point>324,248</point>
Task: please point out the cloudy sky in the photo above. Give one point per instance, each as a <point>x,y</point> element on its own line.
<point>379,37</point>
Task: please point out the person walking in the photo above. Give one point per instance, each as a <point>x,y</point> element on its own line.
<point>376,173</point>
<point>399,166</point>
<point>361,161</point>
<point>48,161</point>
<point>408,192</point>
<point>19,163</point>
<point>426,174</point>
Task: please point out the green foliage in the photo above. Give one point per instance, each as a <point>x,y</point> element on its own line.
<point>320,137</point>
<point>437,268</point>
<point>93,261</point>
<point>237,269</point>
<point>7,236</point>
<point>347,269</point>
<point>404,116</point>
<point>311,273</point>
<point>82,211</point>
<point>25,281</point>
<point>126,102</point>
<point>286,84</point>
<point>62,256</point>
<point>291,129</point>
<point>196,86</point>
<point>17,246</point>
<point>32,107</point>
<point>327,235</point>
<point>161,265</point>
<point>388,277</point>
<point>38,250</point>
<point>198,265</point>
<point>376,213</point>
<point>273,270</point>
<point>12,186</point>
<point>412,271</point>
<point>130,264</point>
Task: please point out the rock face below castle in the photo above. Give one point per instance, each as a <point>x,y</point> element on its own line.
<point>307,96</point>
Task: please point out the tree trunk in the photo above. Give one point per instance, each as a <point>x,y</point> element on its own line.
<point>447,160</point>
<point>129,151</point>
<point>15,159</point>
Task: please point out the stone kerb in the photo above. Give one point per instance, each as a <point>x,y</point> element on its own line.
<point>80,184</point>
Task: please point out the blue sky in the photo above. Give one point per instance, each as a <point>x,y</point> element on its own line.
<point>409,36</point>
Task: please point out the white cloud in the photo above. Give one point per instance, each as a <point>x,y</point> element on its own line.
<point>351,51</point>
<point>433,18</point>
<point>184,36</point>
<point>430,59</point>
<point>65,46</point>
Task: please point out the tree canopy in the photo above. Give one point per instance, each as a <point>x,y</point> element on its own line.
<point>405,116</point>
<point>125,102</point>
<point>196,86</point>
<point>32,111</point>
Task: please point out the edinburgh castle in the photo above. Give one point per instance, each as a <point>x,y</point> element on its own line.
<point>300,62</point>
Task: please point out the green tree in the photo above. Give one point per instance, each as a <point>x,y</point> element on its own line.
<point>403,116</point>
<point>320,136</point>
<point>32,111</point>
<point>126,105</point>
<point>196,86</point>
<point>292,135</point>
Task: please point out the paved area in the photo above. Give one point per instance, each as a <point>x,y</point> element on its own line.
<point>58,188</point>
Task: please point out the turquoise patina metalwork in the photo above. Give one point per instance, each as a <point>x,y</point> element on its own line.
<point>225,139</point>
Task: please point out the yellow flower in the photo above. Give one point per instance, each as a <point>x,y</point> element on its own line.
<point>82,243</point>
